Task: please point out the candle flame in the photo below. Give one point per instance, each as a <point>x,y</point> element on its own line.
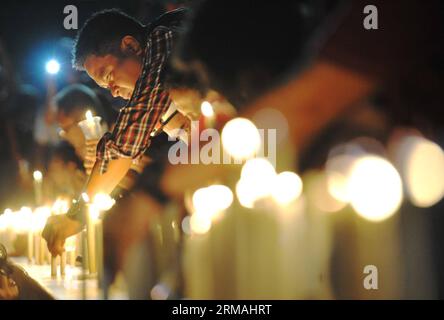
<point>60,206</point>
<point>37,175</point>
<point>85,197</point>
<point>103,201</point>
<point>89,115</point>
<point>207,109</point>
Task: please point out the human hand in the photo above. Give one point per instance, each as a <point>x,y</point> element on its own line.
<point>8,288</point>
<point>57,229</point>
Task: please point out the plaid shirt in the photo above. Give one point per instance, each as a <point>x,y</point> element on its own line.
<point>131,135</point>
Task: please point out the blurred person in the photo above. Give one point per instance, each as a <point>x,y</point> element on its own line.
<point>20,119</point>
<point>188,92</point>
<point>9,169</point>
<point>129,59</point>
<point>71,104</point>
<point>16,284</point>
<point>64,175</point>
<point>132,228</point>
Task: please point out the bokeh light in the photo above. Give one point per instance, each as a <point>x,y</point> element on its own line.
<point>37,175</point>
<point>374,188</point>
<point>200,223</point>
<point>207,109</point>
<point>103,201</point>
<point>212,200</point>
<point>257,178</point>
<point>286,187</point>
<point>241,138</point>
<point>421,163</point>
<point>52,66</point>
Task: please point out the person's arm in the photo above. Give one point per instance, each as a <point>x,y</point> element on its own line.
<point>106,182</point>
<point>60,227</point>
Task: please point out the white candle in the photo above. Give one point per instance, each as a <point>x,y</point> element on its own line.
<point>70,250</point>
<point>30,246</point>
<point>99,251</point>
<point>91,126</point>
<point>38,191</point>
<point>208,111</point>
<point>72,258</point>
<point>53,267</point>
<point>62,263</point>
<point>92,217</point>
<point>37,248</point>
<point>42,250</point>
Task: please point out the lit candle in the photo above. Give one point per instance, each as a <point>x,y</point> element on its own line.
<point>62,263</point>
<point>99,251</point>
<point>208,111</point>
<point>38,191</point>
<point>37,248</point>
<point>8,218</point>
<point>40,216</point>
<point>30,246</point>
<point>25,225</point>
<point>91,126</point>
<point>92,217</point>
<point>60,206</point>
<point>53,267</point>
<point>70,250</point>
<point>42,250</point>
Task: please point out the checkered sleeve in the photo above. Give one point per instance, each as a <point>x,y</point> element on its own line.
<point>131,135</point>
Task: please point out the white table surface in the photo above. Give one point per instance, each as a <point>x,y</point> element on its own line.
<point>70,286</point>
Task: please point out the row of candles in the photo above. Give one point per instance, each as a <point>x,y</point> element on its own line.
<point>30,223</point>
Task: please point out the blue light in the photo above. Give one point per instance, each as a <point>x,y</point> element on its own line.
<point>52,66</point>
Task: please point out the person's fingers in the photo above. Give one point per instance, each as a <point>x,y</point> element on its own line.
<point>58,246</point>
<point>10,292</point>
<point>4,295</point>
<point>3,282</point>
<point>14,291</point>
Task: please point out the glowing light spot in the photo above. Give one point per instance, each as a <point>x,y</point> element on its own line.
<point>37,175</point>
<point>374,188</point>
<point>207,109</point>
<point>422,163</point>
<point>103,201</point>
<point>241,138</point>
<point>94,212</point>
<point>160,292</point>
<point>212,200</point>
<point>317,191</point>
<point>338,169</point>
<point>52,66</point>
<point>286,187</point>
<point>200,223</point>
<point>89,115</point>
<point>85,197</point>
<point>60,206</point>
<point>186,228</point>
<point>41,214</point>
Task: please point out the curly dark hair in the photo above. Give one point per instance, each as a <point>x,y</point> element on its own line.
<point>101,35</point>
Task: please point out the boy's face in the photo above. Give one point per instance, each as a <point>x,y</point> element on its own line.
<point>117,75</point>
